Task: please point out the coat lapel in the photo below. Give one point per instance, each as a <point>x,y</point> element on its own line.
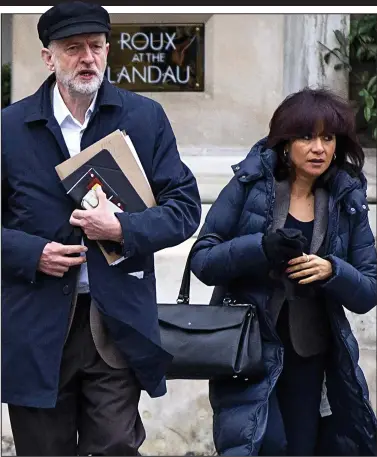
<point>40,115</point>
<point>321,203</point>
<point>281,206</point>
<point>281,209</point>
<point>55,129</point>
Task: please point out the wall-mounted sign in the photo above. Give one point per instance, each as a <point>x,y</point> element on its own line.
<point>150,58</point>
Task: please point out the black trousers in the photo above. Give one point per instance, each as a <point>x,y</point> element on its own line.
<point>293,419</point>
<point>97,407</point>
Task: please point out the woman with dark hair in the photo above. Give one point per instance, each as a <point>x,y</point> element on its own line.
<point>296,243</point>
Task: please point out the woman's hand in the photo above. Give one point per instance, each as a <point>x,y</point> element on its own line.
<point>310,267</point>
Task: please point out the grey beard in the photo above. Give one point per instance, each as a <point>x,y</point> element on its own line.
<point>85,88</point>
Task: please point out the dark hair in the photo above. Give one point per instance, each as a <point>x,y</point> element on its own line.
<point>300,114</point>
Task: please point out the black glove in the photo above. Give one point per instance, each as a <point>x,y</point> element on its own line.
<point>282,246</point>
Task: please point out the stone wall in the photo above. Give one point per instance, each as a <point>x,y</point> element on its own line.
<point>242,86</point>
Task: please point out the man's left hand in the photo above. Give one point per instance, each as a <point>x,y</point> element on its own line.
<point>311,267</point>
<point>98,223</point>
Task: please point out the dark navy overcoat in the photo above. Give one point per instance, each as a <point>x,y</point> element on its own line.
<point>36,210</point>
<point>241,215</point>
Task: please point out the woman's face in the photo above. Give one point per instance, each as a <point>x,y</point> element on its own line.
<point>312,154</point>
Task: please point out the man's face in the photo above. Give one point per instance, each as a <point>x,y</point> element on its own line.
<point>79,62</point>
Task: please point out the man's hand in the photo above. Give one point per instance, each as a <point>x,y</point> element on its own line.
<point>316,269</point>
<point>99,223</point>
<point>54,260</point>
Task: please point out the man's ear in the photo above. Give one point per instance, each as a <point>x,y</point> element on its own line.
<point>47,58</point>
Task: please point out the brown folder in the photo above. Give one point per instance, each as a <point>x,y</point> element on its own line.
<point>121,148</point>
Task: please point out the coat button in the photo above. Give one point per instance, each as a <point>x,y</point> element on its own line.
<point>364,207</point>
<point>66,289</point>
<point>237,167</point>
<point>353,210</point>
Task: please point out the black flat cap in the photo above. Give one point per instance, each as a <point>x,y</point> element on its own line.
<point>72,18</point>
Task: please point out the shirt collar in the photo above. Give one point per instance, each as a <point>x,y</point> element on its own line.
<point>41,103</point>
<point>61,112</point>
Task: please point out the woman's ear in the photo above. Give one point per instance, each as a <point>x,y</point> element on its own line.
<point>286,149</point>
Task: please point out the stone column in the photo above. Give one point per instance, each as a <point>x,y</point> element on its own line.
<point>303,55</point>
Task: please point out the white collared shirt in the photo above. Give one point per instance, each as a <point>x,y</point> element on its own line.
<point>72,131</point>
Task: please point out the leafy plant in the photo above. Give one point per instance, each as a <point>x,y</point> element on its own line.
<point>6,74</point>
<point>341,52</point>
<point>369,97</point>
<point>359,46</point>
<point>363,37</point>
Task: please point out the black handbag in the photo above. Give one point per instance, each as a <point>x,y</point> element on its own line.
<point>210,341</point>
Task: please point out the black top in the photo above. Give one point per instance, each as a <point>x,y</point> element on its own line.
<point>305,227</point>
<point>282,326</point>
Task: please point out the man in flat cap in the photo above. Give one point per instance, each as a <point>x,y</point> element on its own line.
<point>80,338</point>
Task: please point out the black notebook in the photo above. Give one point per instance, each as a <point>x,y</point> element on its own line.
<point>103,170</point>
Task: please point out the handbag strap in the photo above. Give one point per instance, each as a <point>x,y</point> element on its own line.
<point>184,291</point>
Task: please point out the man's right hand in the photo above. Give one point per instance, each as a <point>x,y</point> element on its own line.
<point>55,260</point>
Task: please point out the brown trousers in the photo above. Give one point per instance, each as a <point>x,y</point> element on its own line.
<point>97,407</point>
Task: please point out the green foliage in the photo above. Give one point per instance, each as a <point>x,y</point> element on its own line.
<point>6,74</point>
<point>363,38</point>
<point>341,52</point>
<point>359,46</point>
<point>368,95</point>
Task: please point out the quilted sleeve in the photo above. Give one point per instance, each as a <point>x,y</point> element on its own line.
<point>215,263</point>
<point>353,282</point>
